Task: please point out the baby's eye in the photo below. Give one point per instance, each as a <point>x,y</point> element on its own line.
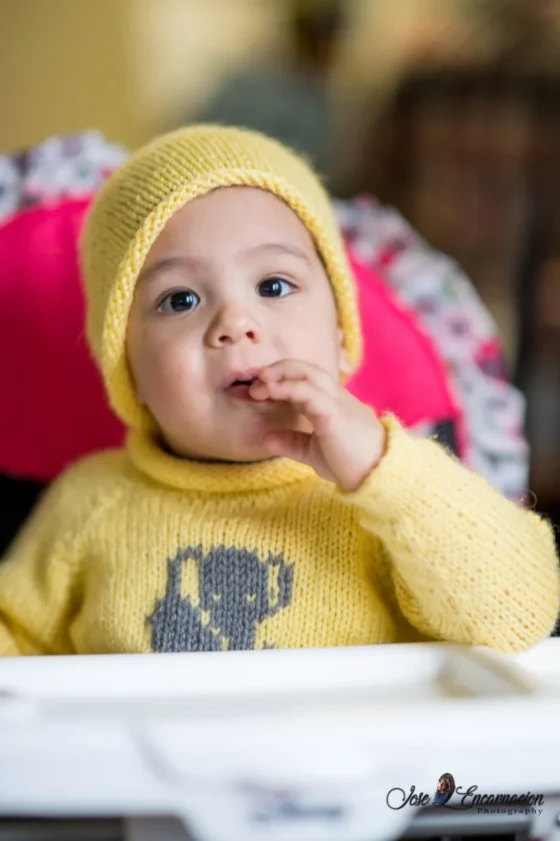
<point>275,287</point>
<point>181,301</point>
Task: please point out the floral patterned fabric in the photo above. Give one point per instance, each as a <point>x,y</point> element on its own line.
<point>462,330</point>
<point>72,166</point>
<point>428,282</point>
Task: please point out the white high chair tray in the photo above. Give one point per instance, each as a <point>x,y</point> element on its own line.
<point>221,739</point>
<point>542,664</point>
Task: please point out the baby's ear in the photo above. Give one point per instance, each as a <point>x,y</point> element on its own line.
<point>343,364</point>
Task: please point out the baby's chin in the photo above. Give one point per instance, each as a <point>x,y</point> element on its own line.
<point>239,441</point>
<point>231,451</point>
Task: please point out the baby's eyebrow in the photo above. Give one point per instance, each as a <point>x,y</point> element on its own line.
<point>276,246</point>
<point>193,263</point>
<point>167,263</point>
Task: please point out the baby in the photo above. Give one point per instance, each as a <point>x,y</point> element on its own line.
<point>256,504</point>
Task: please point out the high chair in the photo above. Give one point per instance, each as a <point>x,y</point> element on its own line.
<point>308,745</point>
<point>236,746</point>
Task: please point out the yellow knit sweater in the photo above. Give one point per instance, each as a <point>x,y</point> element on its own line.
<point>137,551</point>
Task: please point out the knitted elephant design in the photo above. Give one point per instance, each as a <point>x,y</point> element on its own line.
<point>236,591</point>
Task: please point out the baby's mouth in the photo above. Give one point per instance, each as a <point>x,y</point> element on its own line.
<point>240,389</point>
<point>240,385</point>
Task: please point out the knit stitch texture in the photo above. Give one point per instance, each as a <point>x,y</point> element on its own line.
<point>138,551</point>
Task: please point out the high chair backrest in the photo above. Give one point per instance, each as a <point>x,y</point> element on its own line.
<point>432,352</point>
<point>56,411</point>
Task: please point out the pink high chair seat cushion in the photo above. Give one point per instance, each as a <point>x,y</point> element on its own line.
<point>54,408</point>
<point>402,371</point>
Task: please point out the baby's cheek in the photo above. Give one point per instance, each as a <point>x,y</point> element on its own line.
<point>175,364</point>
<point>182,375</point>
<point>319,349</point>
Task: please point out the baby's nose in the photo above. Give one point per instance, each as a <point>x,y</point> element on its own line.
<point>233,324</point>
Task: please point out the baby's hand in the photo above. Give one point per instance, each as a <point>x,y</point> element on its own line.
<point>347,440</point>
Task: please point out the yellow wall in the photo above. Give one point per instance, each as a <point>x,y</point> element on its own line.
<point>181,49</point>
<point>131,68</point>
<point>126,67</point>
<point>63,68</point>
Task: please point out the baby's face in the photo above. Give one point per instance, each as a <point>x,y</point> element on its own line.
<point>232,284</point>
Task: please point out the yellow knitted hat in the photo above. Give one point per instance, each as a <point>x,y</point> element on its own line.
<point>132,208</point>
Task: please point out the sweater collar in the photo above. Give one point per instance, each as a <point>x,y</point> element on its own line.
<point>210,477</point>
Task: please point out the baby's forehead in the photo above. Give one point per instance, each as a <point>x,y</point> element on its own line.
<point>242,221</point>
<point>248,207</point>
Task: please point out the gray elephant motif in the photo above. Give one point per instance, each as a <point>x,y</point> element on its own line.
<point>237,591</point>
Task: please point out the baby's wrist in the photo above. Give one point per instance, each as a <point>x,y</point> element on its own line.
<point>370,464</point>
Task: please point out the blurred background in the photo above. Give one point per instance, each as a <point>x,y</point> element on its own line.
<point>446,109</point>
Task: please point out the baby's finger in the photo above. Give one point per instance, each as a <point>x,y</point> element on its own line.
<point>307,399</point>
<point>260,390</point>
<point>293,368</point>
<point>296,369</point>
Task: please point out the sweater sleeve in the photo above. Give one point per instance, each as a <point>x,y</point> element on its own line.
<point>468,565</point>
<point>41,576</point>
<point>38,578</point>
